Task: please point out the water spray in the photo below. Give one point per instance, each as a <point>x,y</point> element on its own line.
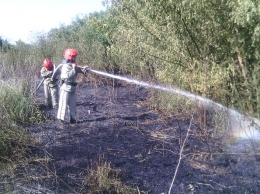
<point>241,126</point>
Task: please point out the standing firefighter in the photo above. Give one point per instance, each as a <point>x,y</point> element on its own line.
<point>50,85</point>
<point>69,72</point>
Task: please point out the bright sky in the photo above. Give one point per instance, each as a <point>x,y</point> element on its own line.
<point>21,19</point>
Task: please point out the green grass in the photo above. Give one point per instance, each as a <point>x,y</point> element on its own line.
<point>17,111</point>
<point>16,106</point>
<point>175,105</point>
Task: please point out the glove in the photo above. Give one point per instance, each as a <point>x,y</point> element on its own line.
<point>74,65</point>
<point>85,70</point>
<point>48,80</point>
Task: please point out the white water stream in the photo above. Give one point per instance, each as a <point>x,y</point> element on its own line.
<point>242,127</point>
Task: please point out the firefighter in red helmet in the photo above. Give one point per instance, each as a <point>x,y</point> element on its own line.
<point>71,55</point>
<point>67,101</point>
<point>50,85</point>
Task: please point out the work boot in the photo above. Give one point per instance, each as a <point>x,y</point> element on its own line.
<point>48,106</point>
<point>73,121</point>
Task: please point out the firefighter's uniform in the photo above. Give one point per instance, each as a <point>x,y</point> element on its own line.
<point>67,100</point>
<point>50,88</point>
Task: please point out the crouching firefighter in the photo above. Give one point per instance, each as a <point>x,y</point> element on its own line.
<point>68,76</point>
<point>50,85</point>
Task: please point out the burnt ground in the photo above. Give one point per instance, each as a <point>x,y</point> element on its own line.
<point>118,127</point>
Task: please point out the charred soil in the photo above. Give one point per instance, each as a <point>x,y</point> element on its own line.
<point>116,125</point>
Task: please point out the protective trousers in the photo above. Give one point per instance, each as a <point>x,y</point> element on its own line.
<point>67,103</point>
<point>51,96</point>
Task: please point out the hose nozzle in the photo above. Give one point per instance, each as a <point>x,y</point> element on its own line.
<point>85,70</point>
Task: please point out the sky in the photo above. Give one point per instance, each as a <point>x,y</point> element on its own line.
<point>22,19</point>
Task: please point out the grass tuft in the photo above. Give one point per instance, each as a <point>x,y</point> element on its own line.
<point>102,178</point>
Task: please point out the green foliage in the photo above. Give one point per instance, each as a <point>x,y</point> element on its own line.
<point>210,48</point>
<point>16,107</point>
<point>207,47</point>
<point>4,45</point>
<point>18,61</point>
<point>16,110</point>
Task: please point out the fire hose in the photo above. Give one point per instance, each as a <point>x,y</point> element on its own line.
<point>56,72</point>
<point>38,86</point>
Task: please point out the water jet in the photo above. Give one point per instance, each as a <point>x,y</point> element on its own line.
<point>241,127</point>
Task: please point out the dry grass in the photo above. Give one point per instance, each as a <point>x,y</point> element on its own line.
<point>102,178</point>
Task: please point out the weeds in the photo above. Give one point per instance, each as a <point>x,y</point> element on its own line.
<point>102,178</point>
<point>16,105</point>
<point>16,111</point>
<point>14,141</point>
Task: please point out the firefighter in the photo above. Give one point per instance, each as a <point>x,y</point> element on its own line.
<point>50,85</point>
<point>68,76</point>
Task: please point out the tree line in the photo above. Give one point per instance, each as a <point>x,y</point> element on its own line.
<point>210,48</point>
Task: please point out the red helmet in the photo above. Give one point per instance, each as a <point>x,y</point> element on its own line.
<point>47,64</point>
<point>71,54</point>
